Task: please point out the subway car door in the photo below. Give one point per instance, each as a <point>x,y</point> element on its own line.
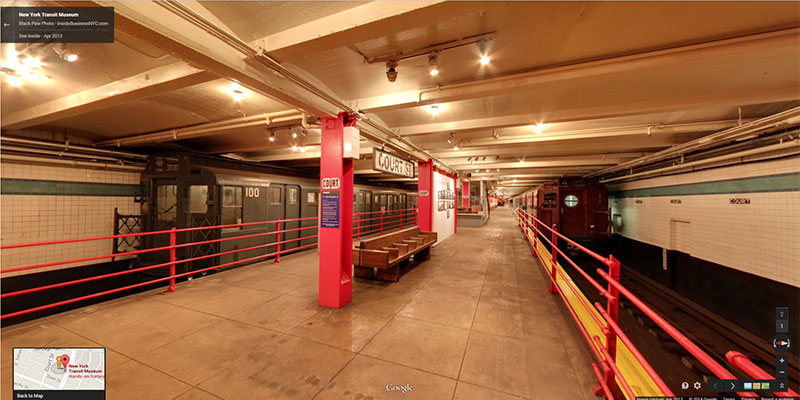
<point>292,212</point>
<point>253,210</point>
<point>275,210</point>
<point>572,210</point>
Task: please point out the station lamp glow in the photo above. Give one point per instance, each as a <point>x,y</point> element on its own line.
<point>351,142</point>
<point>435,109</point>
<point>458,146</point>
<point>433,63</point>
<point>14,80</point>
<point>484,55</point>
<point>66,53</point>
<point>237,91</point>
<point>272,136</point>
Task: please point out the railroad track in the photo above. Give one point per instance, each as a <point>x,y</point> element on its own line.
<point>715,335</point>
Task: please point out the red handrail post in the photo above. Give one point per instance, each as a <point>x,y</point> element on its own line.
<point>554,260</point>
<point>172,243</point>
<point>381,222</point>
<point>277,241</point>
<point>358,226</point>
<point>613,312</point>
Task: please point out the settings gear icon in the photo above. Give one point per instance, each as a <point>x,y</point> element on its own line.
<point>697,385</point>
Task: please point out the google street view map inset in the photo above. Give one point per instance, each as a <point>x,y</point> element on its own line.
<point>60,373</point>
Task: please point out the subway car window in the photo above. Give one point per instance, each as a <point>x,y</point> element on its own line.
<point>275,195</point>
<point>312,198</point>
<point>292,195</point>
<point>198,197</point>
<point>231,206</point>
<point>166,202</point>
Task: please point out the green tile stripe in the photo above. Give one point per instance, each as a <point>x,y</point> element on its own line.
<point>759,184</point>
<point>63,188</point>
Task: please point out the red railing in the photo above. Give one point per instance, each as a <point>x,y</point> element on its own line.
<point>370,222</point>
<point>386,220</point>
<point>538,231</point>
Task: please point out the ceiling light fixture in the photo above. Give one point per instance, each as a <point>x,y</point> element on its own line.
<point>495,135</point>
<point>484,56</point>
<point>538,127</point>
<point>66,53</point>
<point>435,110</point>
<point>391,71</point>
<point>272,136</point>
<point>458,146</point>
<point>433,63</point>
<point>522,161</point>
<point>294,147</point>
<point>452,138</point>
<point>303,149</point>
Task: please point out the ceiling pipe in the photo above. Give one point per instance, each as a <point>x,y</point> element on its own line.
<point>66,146</point>
<point>57,153</point>
<point>791,145</point>
<point>741,132</point>
<point>71,163</point>
<point>204,130</point>
<point>245,48</point>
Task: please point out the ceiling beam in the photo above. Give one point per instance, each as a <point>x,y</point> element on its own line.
<point>527,80</point>
<point>177,28</point>
<point>349,26</point>
<point>163,79</point>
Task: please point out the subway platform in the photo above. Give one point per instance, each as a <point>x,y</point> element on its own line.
<point>473,322</point>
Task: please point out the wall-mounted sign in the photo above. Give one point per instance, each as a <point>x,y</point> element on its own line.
<point>330,183</point>
<point>330,210</point>
<point>424,193</point>
<point>639,202</point>
<point>740,201</point>
<point>675,201</point>
<point>391,164</point>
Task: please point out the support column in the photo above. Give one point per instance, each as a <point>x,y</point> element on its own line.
<point>465,195</point>
<point>425,188</point>
<point>335,216</point>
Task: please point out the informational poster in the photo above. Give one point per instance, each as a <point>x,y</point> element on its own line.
<point>330,210</point>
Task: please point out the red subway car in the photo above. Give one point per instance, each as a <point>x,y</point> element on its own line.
<point>576,206</point>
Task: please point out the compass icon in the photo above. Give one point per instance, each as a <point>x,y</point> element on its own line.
<point>781,343</point>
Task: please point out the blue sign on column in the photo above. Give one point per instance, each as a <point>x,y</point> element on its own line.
<point>330,210</point>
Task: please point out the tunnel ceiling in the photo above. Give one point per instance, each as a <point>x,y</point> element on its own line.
<point>569,88</point>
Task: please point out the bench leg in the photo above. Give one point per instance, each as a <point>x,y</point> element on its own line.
<point>423,255</point>
<point>363,272</point>
<point>391,274</point>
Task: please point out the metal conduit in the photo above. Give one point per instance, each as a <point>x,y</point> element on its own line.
<point>792,144</point>
<point>202,130</point>
<point>66,146</point>
<point>744,131</point>
<point>74,163</point>
<point>245,48</point>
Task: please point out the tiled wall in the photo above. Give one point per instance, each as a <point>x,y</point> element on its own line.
<point>693,213</point>
<point>43,203</point>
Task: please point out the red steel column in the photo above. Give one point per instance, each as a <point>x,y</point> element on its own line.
<point>455,207</point>
<point>425,187</point>
<point>336,243</point>
<point>465,195</point>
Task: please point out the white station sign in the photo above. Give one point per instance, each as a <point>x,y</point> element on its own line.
<point>391,164</point>
<point>330,183</point>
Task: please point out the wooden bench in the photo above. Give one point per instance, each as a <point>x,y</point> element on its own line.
<point>379,257</point>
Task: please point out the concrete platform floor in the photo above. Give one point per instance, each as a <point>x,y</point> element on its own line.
<point>474,322</point>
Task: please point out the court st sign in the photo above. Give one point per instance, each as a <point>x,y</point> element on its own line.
<point>391,164</point>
